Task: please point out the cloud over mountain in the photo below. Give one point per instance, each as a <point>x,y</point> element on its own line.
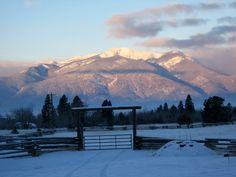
<point>149,22</point>
<point>219,35</point>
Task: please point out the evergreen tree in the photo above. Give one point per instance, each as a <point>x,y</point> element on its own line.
<point>159,109</point>
<point>228,112</point>
<point>173,113</point>
<point>48,113</point>
<point>77,102</point>
<point>180,107</point>
<point>122,119</point>
<point>173,109</point>
<point>108,114</point>
<point>189,106</point>
<point>63,107</point>
<point>64,111</point>
<point>214,110</point>
<point>184,119</point>
<point>166,109</point>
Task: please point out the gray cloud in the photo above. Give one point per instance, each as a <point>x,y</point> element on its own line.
<point>211,6</point>
<point>215,57</point>
<point>228,19</point>
<point>134,28</point>
<point>143,23</point>
<point>193,22</point>
<point>217,36</point>
<point>233,4</point>
<point>149,22</point>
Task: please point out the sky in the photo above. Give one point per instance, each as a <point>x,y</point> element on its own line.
<point>37,30</point>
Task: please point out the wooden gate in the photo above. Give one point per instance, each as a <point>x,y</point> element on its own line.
<point>108,142</point>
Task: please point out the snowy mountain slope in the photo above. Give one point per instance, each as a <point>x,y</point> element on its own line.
<point>189,70</point>
<point>119,74</point>
<point>129,53</point>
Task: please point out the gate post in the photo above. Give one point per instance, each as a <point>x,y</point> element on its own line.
<point>80,132</point>
<point>134,129</point>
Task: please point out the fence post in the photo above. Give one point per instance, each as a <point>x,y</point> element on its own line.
<point>134,129</point>
<point>80,132</point>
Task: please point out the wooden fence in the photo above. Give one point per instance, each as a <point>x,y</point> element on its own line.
<point>34,146</point>
<point>149,142</point>
<point>226,147</point>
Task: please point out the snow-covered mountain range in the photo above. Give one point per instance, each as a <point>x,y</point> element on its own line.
<point>123,75</point>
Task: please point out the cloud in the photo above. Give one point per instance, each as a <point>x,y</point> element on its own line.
<point>135,28</point>
<point>149,22</point>
<point>30,3</point>
<point>233,4</point>
<point>228,19</point>
<point>211,6</point>
<point>193,22</point>
<point>132,28</point>
<point>143,23</point>
<point>219,35</point>
<point>215,57</point>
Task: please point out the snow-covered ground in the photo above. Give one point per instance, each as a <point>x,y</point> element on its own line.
<point>223,131</point>
<point>125,163</point>
<point>180,158</point>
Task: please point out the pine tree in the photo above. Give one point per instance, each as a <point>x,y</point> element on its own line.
<point>166,109</point>
<point>215,111</point>
<point>173,113</point>
<point>122,119</point>
<point>184,119</point>
<point>189,105</point>
<point>77,102</point>
<point>63,107</point>
<point>108,114</point>
<point>228,112</point>
<point>159,109</point>
<point>180,107</point>
<point>48,113</point>
<point>64,111</point>
<point>173,109</point>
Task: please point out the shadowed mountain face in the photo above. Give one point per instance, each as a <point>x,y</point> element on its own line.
<point>117,75</point>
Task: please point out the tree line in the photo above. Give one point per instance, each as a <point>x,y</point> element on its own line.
<point>214,111</point>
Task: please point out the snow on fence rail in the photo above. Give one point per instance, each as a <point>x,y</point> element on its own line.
<point>34,146</point>
<point>222,146</point>
<point>150,142</point>
<point>226,147</point>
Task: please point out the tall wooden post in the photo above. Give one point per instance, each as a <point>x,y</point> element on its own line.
<point>80,132</point>
<point>134,129</point>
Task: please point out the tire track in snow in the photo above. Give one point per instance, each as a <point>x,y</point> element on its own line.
<point>81,165</point>
<point>103,172</point>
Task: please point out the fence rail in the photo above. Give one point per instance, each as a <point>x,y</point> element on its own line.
<point>222,146</point>
<point>226,147</point>
<point>34,146</point>
<point>150,142</point>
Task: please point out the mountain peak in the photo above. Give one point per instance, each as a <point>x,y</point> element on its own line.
<point>129,53</point>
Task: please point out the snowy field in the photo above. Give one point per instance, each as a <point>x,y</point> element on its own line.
<point>183,158</point>
<point>223,131</point>
<point>170,161</point>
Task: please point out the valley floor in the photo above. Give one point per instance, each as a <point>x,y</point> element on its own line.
<point>171,160</point>
<point>117,163</point>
